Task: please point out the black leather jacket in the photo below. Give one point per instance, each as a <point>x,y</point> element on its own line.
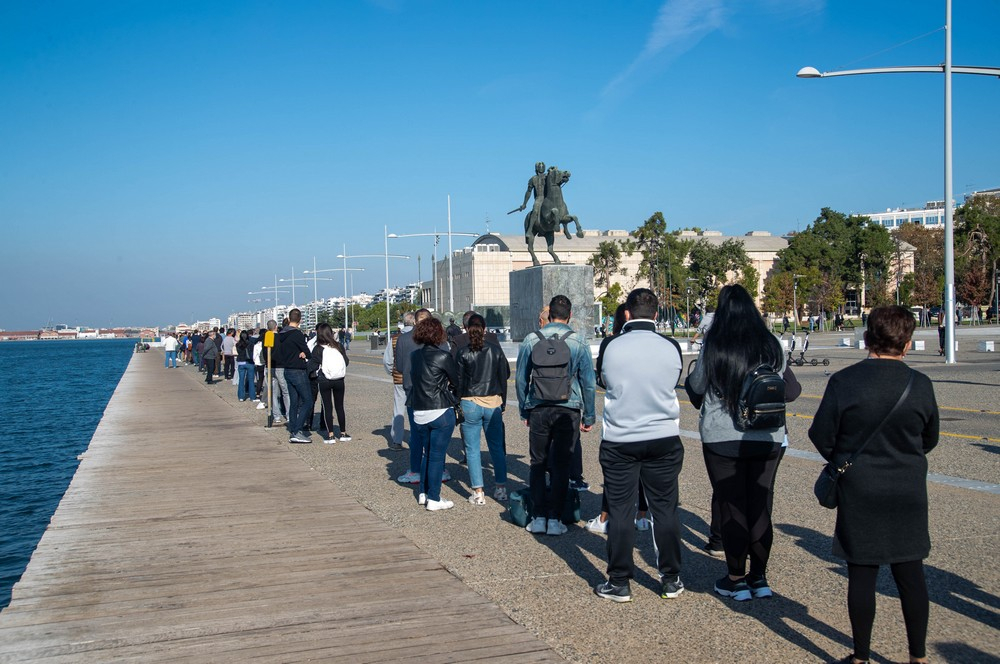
<point>483,373</point>
<point>434,378</point>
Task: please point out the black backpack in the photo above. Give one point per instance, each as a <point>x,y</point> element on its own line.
<point>550,360</point>
<point>762,400</point>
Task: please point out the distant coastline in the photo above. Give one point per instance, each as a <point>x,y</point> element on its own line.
<point>71,334</point>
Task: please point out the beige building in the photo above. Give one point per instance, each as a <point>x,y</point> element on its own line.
<point>481,270</point>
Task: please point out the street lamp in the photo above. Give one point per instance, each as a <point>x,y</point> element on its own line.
<point>795,302</point>
<point>688,321</point>
<point>949,230</point>
<point>345,270</point>
<point>451,274</point>
<point>387,256</point>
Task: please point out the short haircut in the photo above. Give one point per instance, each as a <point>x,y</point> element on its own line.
<point>889,330</point>
<point>543,316</point>
<point>642,303</point>
<point>560,308</point>
<point>429,331</point>
<point>272,325</point>
<point>421,314</point>
<point>409,319</point>
<point>295,316</point>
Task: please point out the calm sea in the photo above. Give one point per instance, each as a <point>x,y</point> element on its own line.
<point>54,395</point>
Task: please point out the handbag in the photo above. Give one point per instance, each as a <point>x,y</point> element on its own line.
<point>825,488</point>
<point>459,413</point>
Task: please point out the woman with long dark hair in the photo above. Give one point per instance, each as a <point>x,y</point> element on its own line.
<point>888,411</point>
<point>741,464</point>
<point>483,371</point>
<point>434,378</point>
<point>331,362</point>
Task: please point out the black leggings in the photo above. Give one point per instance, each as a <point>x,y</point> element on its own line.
<point>336,389</point>
<point>912,587</point>
<point>742,487</point>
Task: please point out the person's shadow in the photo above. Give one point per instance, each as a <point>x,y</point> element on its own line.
<point>944,588</point>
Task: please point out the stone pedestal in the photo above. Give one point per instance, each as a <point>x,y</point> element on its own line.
<point>533,287</point>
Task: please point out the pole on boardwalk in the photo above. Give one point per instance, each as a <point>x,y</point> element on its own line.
<point>269,344</point>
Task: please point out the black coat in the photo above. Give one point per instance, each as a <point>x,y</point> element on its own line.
<point>434,377</point>
<point>882,513</point>
<point>483,373</point>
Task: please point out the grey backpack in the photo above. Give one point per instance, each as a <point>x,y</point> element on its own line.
<point>550,362</point>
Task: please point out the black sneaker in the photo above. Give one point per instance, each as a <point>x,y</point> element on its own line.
<point>608,590</point>
<point>579,485</point>
<point>672,588</point>
<point>758,586</point>
<point>738,590</point>
<point>714,550</point>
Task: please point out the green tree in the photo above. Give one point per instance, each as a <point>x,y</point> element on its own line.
<point>607,262</point>
<point>928,263</point>
<point>611,299</point>
<point>977,243</point>
<point>663,260</point>
<point>713,264</point>
<point>778,289</point>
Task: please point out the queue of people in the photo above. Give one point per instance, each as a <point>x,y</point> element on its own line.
<point>442,381</point>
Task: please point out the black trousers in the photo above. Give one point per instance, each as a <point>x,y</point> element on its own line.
<point>912,585</point>
<point>230,366</point>
<point>655,464</point>
<point>742,486</point>
<point>553,431</point>
<point>332,394</point>
<point>259,383</point>
<point>715,528</point>
<point>209,370</point>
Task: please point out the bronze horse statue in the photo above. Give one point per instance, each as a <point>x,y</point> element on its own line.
<point>553,214</point>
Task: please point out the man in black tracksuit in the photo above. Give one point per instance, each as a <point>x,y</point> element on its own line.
<point>640,443</point>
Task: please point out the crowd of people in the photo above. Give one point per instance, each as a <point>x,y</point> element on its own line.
<point>458,377</point>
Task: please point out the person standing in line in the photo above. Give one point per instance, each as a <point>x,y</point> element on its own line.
<point>398,393</point>
<point>294,355</point>
<point>882,498</point>
<point>434,380</point>
<point>170,351</point>
<point>942,326</point>
<point>332,362</point>
<point>553,425</point>
<point>403,358</point>
<point>281,402</point>
<point>229,353</point>
<point>244,367</point>
<point>257,354</point>
<point>483,371</point>
<point>741,464</point>
<point>197,345</point>
<point>209,356</point>
<point>220,333</point>
<point>641,445</point>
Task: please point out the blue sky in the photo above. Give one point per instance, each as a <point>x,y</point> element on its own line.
<point>159,159</point>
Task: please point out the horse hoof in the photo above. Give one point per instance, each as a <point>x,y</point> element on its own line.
<point>579,232</point>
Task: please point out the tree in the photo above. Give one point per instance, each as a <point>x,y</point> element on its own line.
<point>713,265</point>
<point>607,263</point>
<point>611,299</point>
<point>928,263</point>
<point>977,243</point>
<point>778,289</point>
<point>663,258</point>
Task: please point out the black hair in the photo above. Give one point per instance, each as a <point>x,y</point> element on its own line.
<point>616,327</point>
<point>325,335</point>
<point>641,303</point>
<point>736,344</point>
<point>476,326</point>
<point>560,308</point>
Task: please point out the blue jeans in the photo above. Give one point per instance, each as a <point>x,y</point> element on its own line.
<point>170,356</point>
<point>436,435</point>
<point>244,385</point>
<point>299,396</point>
<point>490,420</point>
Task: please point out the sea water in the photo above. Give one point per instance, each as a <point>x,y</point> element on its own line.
<point>54,394</point>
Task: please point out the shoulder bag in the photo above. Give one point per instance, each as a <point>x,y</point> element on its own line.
<point>825,488</point>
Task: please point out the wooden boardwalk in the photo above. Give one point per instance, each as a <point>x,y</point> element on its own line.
<point>188,534</point>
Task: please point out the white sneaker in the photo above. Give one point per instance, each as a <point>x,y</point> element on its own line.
<point>344,438</point>
<point>555,527</point>
<point>536,525</point>
<point>437,505</point>
<point>595,525</point>
<point>409,477</point>
<point>500,494</point>
<point>642,523</point>
<point>261,405</point>
<point>422,499</point>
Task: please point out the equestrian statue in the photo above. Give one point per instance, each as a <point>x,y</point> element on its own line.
<point>548,211</point>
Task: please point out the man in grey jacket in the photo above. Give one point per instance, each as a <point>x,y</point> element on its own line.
<point>398,394</point>
<point>640,443</point>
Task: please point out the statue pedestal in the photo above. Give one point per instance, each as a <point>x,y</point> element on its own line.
<point>533,287</point>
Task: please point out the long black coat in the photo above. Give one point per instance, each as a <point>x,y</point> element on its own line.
<point>882,513</point>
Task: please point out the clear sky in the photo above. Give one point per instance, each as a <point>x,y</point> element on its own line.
<point>160,159</point>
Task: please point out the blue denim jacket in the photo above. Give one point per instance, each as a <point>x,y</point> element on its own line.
<point>583,387</point>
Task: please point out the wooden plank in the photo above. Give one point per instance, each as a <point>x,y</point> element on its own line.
<point>198,538</point>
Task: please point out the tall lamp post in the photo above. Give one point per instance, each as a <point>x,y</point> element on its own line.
<point>386,256</point>
<point>451,273</point>
<point>795,302</point>
<point>687,325</point>
<point>949,228</point>
<point>345,270</point>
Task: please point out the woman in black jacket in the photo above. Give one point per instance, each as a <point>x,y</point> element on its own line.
<point>882,497</point>
<point>483,371</point>
<point>432,397</point>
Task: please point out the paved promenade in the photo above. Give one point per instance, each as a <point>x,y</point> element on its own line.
<point>283,567</point>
